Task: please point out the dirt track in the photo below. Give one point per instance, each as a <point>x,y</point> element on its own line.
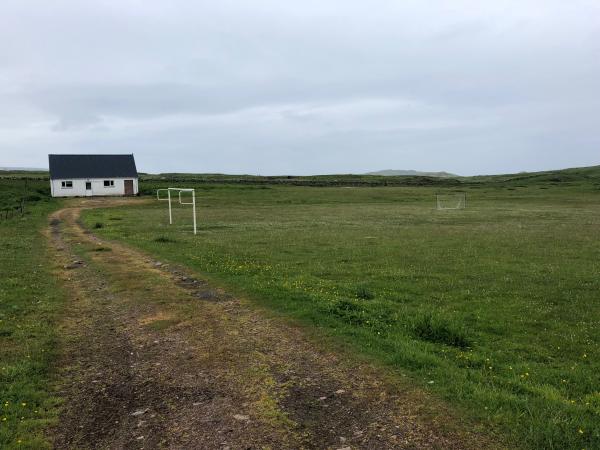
<point>153,357</point>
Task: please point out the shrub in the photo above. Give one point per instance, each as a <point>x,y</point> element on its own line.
<point>98,225</point>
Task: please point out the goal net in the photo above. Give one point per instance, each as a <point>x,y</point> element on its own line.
<point>454,200</point>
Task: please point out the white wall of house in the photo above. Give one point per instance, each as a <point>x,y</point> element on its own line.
<point>97,187</point>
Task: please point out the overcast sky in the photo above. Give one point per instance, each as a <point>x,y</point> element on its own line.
<point>305,87</point>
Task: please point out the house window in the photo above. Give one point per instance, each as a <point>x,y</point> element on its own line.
<point>109,183</point>
<point>66,184</point>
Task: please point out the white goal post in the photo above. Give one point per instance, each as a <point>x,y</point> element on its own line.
<point>181,202</point>
<point>451,200</point>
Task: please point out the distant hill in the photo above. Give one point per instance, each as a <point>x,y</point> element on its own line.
<point>573,174</point>
<point>411,173</point>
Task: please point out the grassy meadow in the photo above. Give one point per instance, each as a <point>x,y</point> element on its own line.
<point>495,308</point>
<point>30,304</point>
<point>18,193</point>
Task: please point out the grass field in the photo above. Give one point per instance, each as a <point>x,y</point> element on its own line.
<point>495,308</point>
<point>20,192</point>
<point>30,303</point>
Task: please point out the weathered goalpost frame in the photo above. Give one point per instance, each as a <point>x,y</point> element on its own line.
<point>181,202</point>
<point>461,195</point>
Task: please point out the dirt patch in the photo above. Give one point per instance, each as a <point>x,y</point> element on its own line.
<point>161,316</point>
<point>199,288</point>
<point>169,361</point>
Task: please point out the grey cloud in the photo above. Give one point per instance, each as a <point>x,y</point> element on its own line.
<point>271,87</point>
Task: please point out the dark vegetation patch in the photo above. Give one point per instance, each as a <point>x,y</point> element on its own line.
<point>378,319</point>
<point>102,249</point>
<point>164,240</point>
<point>349,311</point>
<point>364,293</point>
<point>98,225</point>
<point>432,328</point>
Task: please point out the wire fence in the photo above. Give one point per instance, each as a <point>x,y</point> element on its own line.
<point>18,210</point>
<point>17,193</point>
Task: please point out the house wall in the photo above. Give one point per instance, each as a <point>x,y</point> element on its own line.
<point>98,189</point>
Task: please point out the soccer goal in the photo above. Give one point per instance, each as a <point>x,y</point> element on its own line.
<point>453,200</point>
<point>179,191</point>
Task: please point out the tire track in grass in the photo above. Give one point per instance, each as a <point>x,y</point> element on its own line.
<point>154,357</point>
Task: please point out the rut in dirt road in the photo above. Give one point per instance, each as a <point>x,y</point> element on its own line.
<point>154,357</point>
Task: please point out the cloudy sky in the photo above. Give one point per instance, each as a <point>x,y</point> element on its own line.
<point>323,86</point>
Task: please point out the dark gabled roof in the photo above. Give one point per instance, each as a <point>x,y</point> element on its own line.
<point>92,166</point>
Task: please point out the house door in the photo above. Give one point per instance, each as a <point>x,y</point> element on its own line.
<point>88,188</point>
<point>128,187</point>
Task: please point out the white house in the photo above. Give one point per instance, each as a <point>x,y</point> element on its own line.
<point>92,175</point>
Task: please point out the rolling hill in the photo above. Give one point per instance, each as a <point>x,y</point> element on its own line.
<point>411,173</point>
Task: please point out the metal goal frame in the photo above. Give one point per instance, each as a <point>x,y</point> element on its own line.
<point>181,202</point>
<point>461,197</point>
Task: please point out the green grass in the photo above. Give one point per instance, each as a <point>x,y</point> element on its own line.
<point>30,302</point>
<point>14,191</point>
<point>495,308</point>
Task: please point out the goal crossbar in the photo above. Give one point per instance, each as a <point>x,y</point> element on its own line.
<point>453,200</point>
<point>181,201</point>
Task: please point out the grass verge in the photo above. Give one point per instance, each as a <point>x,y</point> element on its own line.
<point>30,301</point>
